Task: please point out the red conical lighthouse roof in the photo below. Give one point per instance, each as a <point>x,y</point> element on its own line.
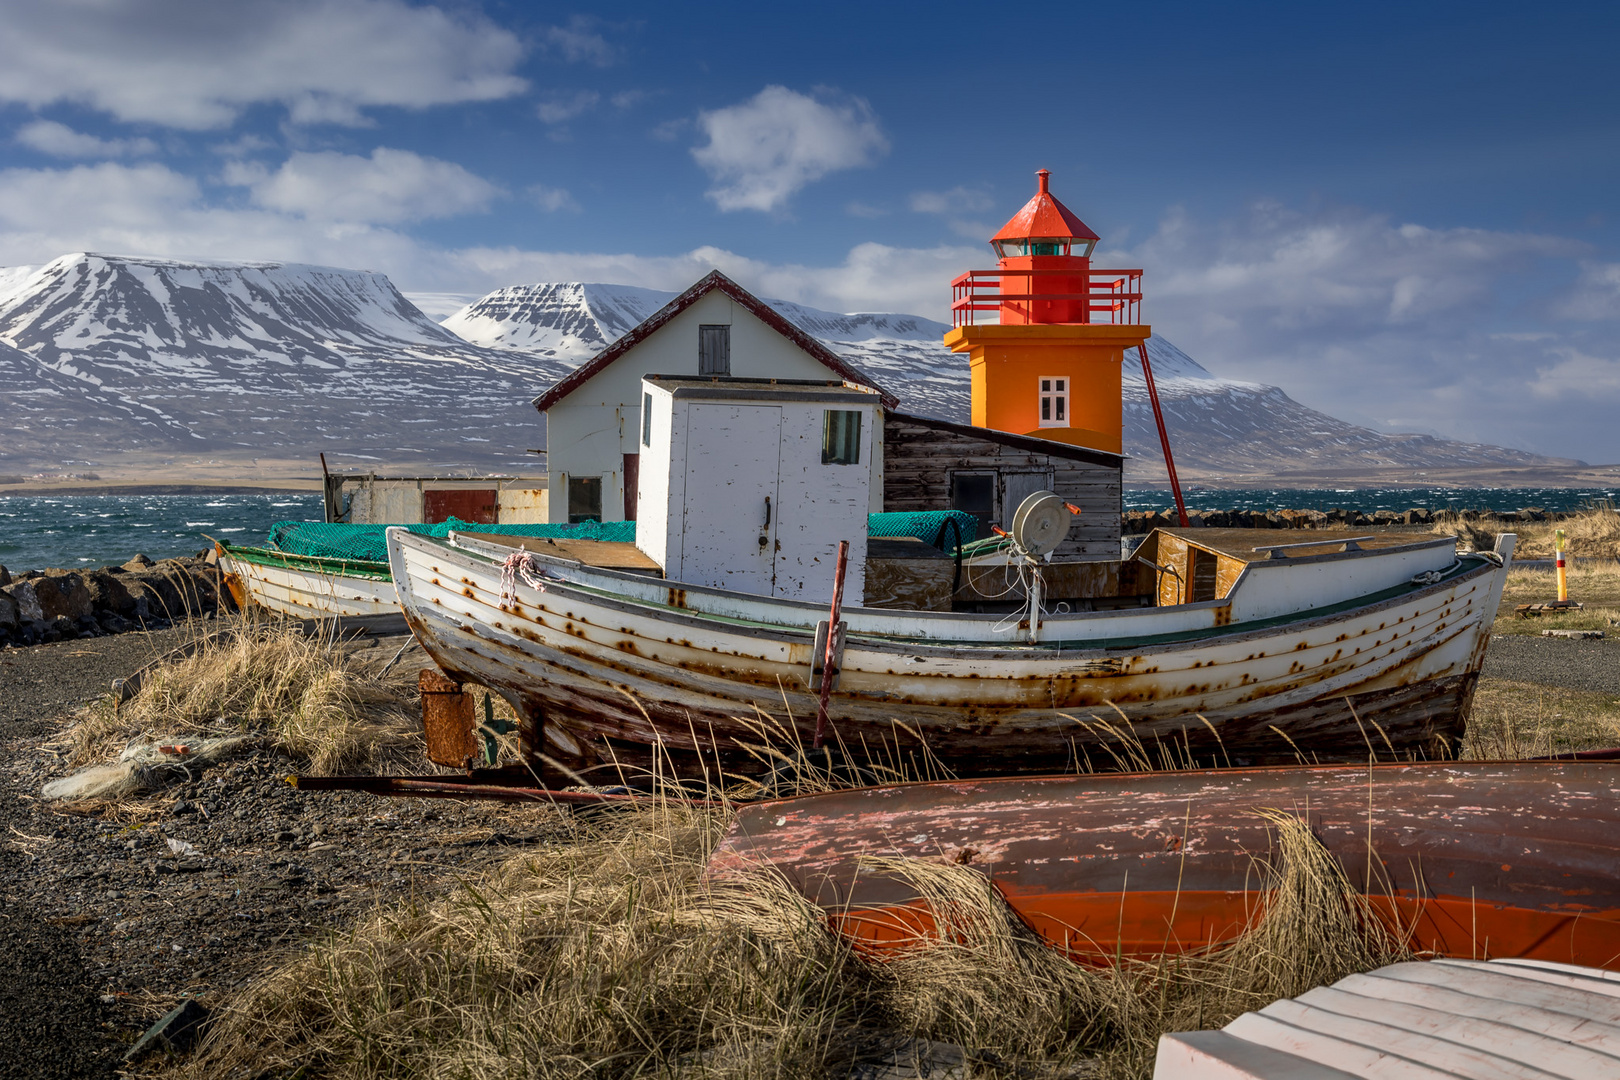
<point>1044,218</point>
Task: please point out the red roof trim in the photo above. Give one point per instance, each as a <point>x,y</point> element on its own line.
<point>713,280</point>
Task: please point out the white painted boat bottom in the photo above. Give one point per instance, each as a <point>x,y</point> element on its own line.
<point>1502,1020</point>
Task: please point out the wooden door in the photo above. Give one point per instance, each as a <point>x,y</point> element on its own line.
<point>728,529</point>
<point>477,505</point>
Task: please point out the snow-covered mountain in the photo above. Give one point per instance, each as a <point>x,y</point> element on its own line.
<point>1219,428</point>
<point>107,359</point>
<point>273,359</point>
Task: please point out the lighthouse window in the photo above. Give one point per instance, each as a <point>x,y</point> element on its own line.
<point>714,350</point>
<point>1054,400</point>
<point>840,437</point>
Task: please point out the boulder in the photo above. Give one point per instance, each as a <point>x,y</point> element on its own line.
<point>139,562</point>
<point>5,577</point>
<point>8,614</point>
<point>107,593</point>
<point>27,601</point>
<point>63,596</point>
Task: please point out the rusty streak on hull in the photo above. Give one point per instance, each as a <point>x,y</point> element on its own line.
<point>601,678</point>
<point>1477,860</point>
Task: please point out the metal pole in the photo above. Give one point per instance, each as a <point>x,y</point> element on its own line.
<point>832,639</point>
<point>1164,437</point>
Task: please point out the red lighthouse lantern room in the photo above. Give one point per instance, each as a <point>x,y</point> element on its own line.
<point>1044,244</point>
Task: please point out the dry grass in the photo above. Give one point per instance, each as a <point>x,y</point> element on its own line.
<point>309,694</point>
<point>1592,533</point>
<point>1513,720</point>
<point>1595,585</point>
<point>612,957</point>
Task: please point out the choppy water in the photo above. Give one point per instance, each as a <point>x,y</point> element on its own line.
<point>93,530</point>
<point>1369,500</point>
<point>37,531</point>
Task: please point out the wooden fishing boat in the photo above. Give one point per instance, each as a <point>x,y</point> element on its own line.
<point>358,591</point>
<point>1463,859</point>
<point>1314,654</point>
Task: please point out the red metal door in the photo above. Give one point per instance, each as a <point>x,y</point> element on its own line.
<point>632,478</point>
<point>477,505</point>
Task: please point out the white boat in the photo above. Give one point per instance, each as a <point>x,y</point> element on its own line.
<point>1310,654</point>
<point>358,591</point>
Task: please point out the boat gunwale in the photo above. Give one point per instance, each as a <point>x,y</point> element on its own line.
<point>370,569</point>
<point>990,650</point>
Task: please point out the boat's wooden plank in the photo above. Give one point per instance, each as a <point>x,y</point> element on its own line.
<point>1513,1027</point>
<point>607,554</point>
<point>1240,543</point>
<point>1218,1055</point>
<point>1559,976</point>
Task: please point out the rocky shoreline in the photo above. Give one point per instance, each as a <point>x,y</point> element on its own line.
<point>1144,521</point>
<point>50,605</point>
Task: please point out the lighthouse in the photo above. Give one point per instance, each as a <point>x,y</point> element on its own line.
<point>1045,332</point>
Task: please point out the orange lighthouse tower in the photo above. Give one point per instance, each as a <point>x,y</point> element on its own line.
<point>1048,365</point>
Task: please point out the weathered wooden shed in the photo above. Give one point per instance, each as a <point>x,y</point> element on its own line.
<point>931,464</point>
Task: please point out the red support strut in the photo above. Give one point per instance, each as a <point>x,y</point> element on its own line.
<point>832,638</point>
<point>1164,437</point>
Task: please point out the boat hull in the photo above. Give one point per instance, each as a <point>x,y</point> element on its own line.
<point>602,676</point>
<point>1461,859</point>
<point>305,587</point>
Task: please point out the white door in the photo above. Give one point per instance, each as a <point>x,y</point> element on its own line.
<point>728,533</point>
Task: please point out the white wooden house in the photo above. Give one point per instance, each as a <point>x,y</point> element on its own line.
<point>714,328</point>
<point>750,484</point>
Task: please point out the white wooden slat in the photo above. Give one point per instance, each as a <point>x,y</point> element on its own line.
<point>1459,1056</point>
<point>1515,1042</point>
<point>1462,1019</point>
<point>1340,1053</point>
<point>1550,1009</point>
<point>1216,1055</point>
<point>1571,978</point>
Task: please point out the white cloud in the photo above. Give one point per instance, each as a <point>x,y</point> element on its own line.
<point>579,42</point>
<point>561,108</point>
<point>388,187</point>
<point>958,200</point>
<point>197,65</point>
<point>762,151</point>
<point>552,199</point>
<point>59,140</point>
<point>1596,294</point>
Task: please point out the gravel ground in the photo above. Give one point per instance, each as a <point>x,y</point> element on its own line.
<point>110,920</point>
<point>1566,662</point>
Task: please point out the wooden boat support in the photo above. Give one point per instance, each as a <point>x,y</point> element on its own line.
<point>497,788</point>
<point>1312,657</point>
<point>1470,860</point>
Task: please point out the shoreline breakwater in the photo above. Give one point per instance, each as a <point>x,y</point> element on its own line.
<point>1135,522</point>
<point>55,604</point>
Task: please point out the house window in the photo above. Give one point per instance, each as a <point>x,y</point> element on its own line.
<point>584,499</point>
<point>1054,401</point>
<point>714,350</point>
<point>646,419</point>
<point>975,493</point>
<point>840,437</point>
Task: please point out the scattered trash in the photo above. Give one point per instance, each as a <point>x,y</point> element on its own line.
<point>180,847</point>
<point>1579,635</point>
<point>176,1032</point>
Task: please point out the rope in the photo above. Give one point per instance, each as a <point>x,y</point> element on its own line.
<point>520,563</point>
<point>1434,577</point>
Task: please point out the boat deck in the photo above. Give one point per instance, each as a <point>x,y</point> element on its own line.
<point>602,554</point>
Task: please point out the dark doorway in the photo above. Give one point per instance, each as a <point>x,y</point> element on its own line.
<point>632,481</point>
<point>975,493</point>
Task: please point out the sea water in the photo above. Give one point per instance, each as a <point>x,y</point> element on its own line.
<point>37,531</point>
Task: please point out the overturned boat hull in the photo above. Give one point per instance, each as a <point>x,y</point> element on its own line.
<point>1460,859</point>
<point>609,670</point>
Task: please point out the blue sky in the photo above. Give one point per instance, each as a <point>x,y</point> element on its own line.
<point>1403,214</point>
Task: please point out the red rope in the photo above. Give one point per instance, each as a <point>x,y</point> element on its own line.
<point>1164,437</point>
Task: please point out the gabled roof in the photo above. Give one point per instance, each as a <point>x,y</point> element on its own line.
<point>1044,218</point>
<point>714,280</point>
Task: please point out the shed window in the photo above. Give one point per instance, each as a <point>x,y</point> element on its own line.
<point>841,437</point>
<point>975,493</point>
<point>1054,401</point>
<point>714,350</point>
<point>646,419</point>
<point>584,499</point>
